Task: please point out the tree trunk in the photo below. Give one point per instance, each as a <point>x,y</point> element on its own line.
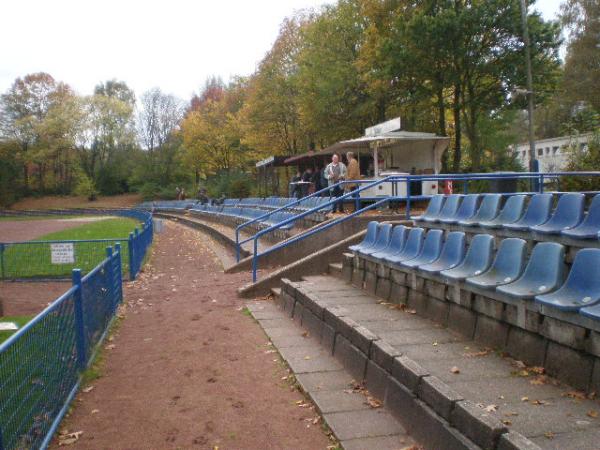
<point>457,129</point>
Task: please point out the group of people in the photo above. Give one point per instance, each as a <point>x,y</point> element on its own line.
<point>335,172</point>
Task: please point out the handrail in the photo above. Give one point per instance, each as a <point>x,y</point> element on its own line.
<point>271,212</point>
<point>310,233</point>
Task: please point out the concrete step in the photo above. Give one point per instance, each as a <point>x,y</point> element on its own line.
<point>276,291</point>
<point>447,390</point>
<point>356,418</point>
<point>335,269</point>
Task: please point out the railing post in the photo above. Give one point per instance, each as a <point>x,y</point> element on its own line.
<point>79,319</point>
<point>541,182</point>
<point>255,260</point>
<point>237,244</point>
<point>131,257</point>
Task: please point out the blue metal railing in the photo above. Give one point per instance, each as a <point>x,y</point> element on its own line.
<point>394,179</point>
<point>41,364</point>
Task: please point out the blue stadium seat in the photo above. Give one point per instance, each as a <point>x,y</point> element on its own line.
<point>412,248</point>
<point>369,239</point>
<point>511,212</point>
<point>590,227</point>
<point>383,240</point>
<point>538,212</point>
<point>507,266</point>
<point>487,211</point>
<point>582,287</point>
<point>397,241</point>
<point>544,273</point>
<point>467,209</point>
<point>477,260</point>
<point>451,256</point>
<point>449,209</point>
<point>432,246</point>
<point>433,208</point>
<point>568,214</point>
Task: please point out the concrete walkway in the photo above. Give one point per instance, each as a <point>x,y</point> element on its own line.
<point>523,399</point>
<point>356,418</point>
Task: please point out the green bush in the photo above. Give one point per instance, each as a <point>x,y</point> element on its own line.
<point>583,160</point>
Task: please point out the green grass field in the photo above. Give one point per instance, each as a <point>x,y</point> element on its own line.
<point>31,260</point>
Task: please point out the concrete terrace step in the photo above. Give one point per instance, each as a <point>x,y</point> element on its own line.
<point>335,269</point>
<point>346,411</point>
<point>443,387</point>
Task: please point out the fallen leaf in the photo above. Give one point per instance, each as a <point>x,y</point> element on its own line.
<point>592,413</point>
<point>68,439</point>
<point>307,357</point>
<point>95,411</point>
<point>507,422</point>
<point>524,399</point>
<point>455,370</point>
<point>373,402</point>
<point>491,408</point>
<point>88,389</point>
<point>576,394</point>
<point>110,346</point>
<point>549,435</point>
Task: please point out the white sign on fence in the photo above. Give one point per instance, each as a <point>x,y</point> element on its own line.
<point>62,253</point>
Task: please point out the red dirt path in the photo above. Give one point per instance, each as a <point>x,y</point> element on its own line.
<point>188,368</point>
<point>26,230</point>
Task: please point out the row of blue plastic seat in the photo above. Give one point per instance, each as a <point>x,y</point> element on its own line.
<point>278,202</point>
<point>541,278</point>
<point>568,218</point>
<point>248,214</point>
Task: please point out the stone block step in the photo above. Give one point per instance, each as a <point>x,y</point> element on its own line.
<point>446,389</point>
<point>275,291</point>
<point>344,405</point>
<point>335,269</point>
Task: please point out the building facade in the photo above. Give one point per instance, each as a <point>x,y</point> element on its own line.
<point>551,153</point>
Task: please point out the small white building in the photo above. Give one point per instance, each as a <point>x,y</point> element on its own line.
<point>551,152</point>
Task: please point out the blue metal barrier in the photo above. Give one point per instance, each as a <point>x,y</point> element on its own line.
<point>408,179</point>
<point>41,364</point>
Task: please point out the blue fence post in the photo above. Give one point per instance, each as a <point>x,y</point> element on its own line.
<point>79,319</point>
<point>255,260</point>
<point>1,278</point>
<point>408,189</point>
<point>131,257</point>
<point>119,267</point>
<point>111,278</point>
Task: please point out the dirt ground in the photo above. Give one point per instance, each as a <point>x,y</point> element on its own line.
<point>58,202</point>
<point>187,368</point>
<point>29,298</point>
<point>26,230</point>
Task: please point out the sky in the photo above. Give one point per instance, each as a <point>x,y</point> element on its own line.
<point>172,44</point>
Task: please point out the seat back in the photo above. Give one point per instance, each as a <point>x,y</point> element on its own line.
<point>432,246</point>
<point>592,219</point>
<point>538,211</point>
<point>568,212</point>
<point>398,239</point>
<point>450,206</point>
<point>479,254</point>
<point>371,235</point>
<point>468,207</point>
<point>513,209</point>
<point>510,258</point>
<point>435,206</point>
<point>414,243</point>
<point>546,266</point>
<point>383,238</point>
<point>489,207</point>
<point>584,276</point>
<point>453,251</point>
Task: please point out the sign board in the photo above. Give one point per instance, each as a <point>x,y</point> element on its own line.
<point>62,253</point>
<point>384,127</point>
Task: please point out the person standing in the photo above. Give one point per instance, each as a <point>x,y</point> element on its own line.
<point>353,173</point>
<point>336,172</point>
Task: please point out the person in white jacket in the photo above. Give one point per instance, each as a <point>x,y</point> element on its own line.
<point>336,172</point>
